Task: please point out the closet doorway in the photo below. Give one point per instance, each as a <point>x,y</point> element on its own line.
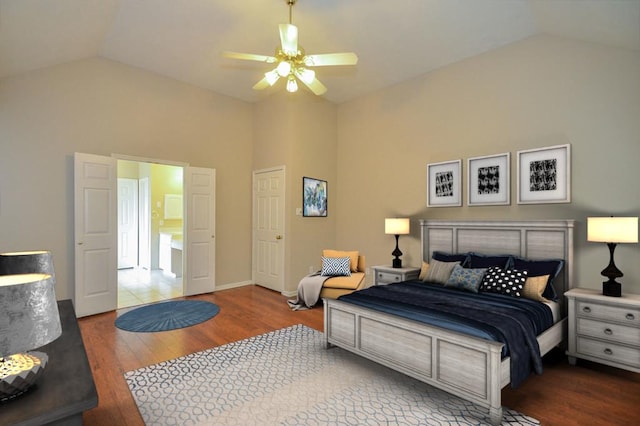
<point>150,232</point>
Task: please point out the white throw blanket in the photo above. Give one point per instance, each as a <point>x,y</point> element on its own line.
<point>309,290</point>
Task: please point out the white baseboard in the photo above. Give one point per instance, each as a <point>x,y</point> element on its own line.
<point>244,283</point>
<point>228,286</point>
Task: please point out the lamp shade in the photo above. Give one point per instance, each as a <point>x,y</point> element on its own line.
<point>27,262</point>
<point>396,226</point>
<point>30,317</point>
<point>612,229</point>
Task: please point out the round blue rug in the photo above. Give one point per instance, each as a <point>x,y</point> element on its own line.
<point>167,316</point>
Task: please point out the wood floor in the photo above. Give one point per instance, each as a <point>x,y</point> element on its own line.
<point>587,394</point>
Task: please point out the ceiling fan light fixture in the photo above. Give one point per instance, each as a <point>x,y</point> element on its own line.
<point>284,68</point>
<point>292,85</point>
<point>292,62</point>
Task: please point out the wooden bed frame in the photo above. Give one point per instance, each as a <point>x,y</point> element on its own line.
<point>465,366</point>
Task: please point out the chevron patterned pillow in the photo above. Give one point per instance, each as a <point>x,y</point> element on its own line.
<point>335,266</point>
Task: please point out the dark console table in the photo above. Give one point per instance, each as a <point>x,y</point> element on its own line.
<point>66,387</point>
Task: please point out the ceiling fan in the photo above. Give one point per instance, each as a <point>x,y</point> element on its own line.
<point>292,62</point>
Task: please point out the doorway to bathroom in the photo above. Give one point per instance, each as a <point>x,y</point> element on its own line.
<point>150,232</point>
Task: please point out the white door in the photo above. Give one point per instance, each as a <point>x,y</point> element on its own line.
<point>96,283</point>
<point>144,224</point>
<point>127,223</point>
<point>268,228</point>
<point>199,235</point>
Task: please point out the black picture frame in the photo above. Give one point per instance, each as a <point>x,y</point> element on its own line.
<point>314,197</point>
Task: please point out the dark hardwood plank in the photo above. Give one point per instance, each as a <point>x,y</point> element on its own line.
<point>564,395</point>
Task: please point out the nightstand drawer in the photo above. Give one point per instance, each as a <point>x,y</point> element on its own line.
<point>386,278</point>
<point>614,313</point>
<point>612,332</point>
<point>609,351</point>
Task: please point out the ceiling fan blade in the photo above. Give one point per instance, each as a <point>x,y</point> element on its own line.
<point>262,84</point>
<point>312,83</point>
<point>249,57</point>
<point>347,58</point>
<point>289,39</point>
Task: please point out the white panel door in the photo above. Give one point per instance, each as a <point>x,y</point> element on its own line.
<point>268,229</point>
<point>127,223</point>
<point>199,238</point>
<point>96,284</point>
<point>144,224</point>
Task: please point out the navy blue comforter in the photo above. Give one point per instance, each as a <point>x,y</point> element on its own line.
<point>513,321</point>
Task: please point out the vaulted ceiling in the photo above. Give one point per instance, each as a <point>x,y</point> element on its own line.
<point>395,39</point>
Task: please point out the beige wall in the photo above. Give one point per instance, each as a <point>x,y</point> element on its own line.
<point>299,132</point>
<point>540,92</point>
<point>373,151</point>
<point>102,107</point>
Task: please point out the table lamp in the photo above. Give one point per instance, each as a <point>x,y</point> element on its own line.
<point>29,319</point>
<point>612,231</point>
<point>397,227</point>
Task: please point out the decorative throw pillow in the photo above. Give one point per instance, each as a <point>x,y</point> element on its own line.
<point>465,278</point>
<point>477,260</point>
<point>335,267</point>
<point>439,272</point>
<point>534,287</point>
<point>352,255</point>
<point>536,268</point>
<point>504,281</point>
<point>423,271</point>
<point>449,257</point>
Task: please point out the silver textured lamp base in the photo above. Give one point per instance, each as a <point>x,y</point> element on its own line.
<point>19,372</point>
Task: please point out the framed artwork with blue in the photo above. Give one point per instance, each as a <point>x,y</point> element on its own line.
<point>314,197</point>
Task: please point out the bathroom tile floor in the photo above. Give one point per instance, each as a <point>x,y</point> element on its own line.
<point>138,286</point>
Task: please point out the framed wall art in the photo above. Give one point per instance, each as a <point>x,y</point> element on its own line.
<point>488,180</point>
<point>314,197</point>
<point>544,175</point>
<point>444,184</point>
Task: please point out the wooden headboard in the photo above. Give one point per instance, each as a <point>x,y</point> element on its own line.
<point>533,239</point>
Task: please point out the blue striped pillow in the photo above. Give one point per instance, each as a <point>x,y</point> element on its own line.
<point>336,267</point>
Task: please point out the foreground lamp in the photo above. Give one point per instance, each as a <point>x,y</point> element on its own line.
<point>612,230</point>
<point>29,319</point>
<point>397,227</point>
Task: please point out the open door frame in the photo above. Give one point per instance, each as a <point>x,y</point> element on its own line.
<point>95,241</point>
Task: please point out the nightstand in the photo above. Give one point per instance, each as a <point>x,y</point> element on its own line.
<point>387,274</point>
<point>604,329</point>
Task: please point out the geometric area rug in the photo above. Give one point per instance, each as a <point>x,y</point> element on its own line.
<point>287,377</point>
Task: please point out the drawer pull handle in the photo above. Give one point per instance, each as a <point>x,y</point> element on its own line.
<point>608,331</point>
<point>608,351</point>
<point>630,317</point>
<point>586,309</point>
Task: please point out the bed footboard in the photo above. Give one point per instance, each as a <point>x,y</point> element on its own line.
<point>465,366</point>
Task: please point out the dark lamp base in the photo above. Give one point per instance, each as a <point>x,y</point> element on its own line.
<point>397,263</point>
<point>612,288</point>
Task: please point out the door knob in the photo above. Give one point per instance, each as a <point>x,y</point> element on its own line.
<point>278,237</point>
